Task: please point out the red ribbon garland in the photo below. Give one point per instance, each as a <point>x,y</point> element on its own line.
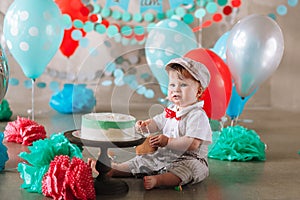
<point>171,114</point>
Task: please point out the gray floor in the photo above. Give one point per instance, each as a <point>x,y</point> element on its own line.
<point>276,178</point>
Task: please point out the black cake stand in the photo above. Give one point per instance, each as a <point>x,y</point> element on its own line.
<point>104,185</point>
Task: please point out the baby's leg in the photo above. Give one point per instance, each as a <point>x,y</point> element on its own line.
<point>167,179</point>
<point>117,169</point>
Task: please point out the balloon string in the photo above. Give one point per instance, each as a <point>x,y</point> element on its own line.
<point>200,32</point>
<point>234,14</point>
<point>32,98</point>
<point>234,121</point>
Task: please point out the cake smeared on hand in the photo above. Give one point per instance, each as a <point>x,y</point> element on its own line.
<point>24,131</point>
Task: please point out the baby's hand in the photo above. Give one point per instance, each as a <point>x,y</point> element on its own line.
<point>142,126</point>
<point>159,140</point>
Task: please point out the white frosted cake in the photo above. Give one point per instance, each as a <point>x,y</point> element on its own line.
<point>107,127</point>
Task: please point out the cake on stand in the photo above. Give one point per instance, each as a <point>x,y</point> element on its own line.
<point>105,185</point>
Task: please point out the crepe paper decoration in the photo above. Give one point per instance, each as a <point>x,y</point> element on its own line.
<point>3,153</point>
<point>281,10</point>
<point>292,3</point>
<point>13,81</point>
<point>24,131</point>
<point>105,19</point>
<point>5,111</point>
<point>212,8</point>
<point>39,157</point>
<point>76,11</point>
<point>68,179</point>
<point>28,84</point>
<point>73,99</point>
<point>236,143</point>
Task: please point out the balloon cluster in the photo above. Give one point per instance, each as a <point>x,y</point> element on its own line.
<point>241,60</point>
<point>73,99</point>
<point>252,49</point>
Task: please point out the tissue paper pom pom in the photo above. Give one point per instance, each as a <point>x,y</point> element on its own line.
<point>42,152</point>
<point>237,143</point>
<point>24,131</point>
<point>53,181</point>
<point>79,181</point>
<point>73,99</point>
<point>69,180</point>
<point>3,153</point>
<point>5,111</point>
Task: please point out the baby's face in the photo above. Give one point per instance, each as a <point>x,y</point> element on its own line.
<point>182,91</point>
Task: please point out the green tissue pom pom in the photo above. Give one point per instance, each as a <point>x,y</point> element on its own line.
<point>42,152</point>
<point>236,143</point>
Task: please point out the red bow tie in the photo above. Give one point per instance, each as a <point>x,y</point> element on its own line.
<point>170,114</point>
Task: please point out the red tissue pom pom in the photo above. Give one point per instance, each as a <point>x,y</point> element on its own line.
<point>69,180</point>
<point>53,180</point>
<point>24,131</point>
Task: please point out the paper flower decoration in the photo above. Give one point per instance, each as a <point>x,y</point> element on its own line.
<point>237,143</point>
<point>3,153</point>
<point>42,152</point>
<point>73,99</point>
<point>24,131</point>
<point>69,179</point>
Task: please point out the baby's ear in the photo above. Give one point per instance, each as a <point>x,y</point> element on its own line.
<point>200,89</point>
<point>199,93</point>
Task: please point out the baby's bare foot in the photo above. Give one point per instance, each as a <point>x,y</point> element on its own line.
<point>149,182</point>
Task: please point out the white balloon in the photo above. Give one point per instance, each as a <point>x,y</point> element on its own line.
<point>254,51</point>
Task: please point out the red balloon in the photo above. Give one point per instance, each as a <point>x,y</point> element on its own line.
<point>76,10</point>
<point>217,96</point>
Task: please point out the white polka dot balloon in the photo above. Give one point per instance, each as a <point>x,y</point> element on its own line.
<point>168,39</point>
<point>33,33</point>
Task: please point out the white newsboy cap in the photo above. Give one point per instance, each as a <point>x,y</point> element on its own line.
<point>198,70</point>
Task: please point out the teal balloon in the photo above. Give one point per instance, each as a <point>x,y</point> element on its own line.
<point>237,103</point>
<point>221,46</point>
<point>33,30</point>
<point>168,39</point>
